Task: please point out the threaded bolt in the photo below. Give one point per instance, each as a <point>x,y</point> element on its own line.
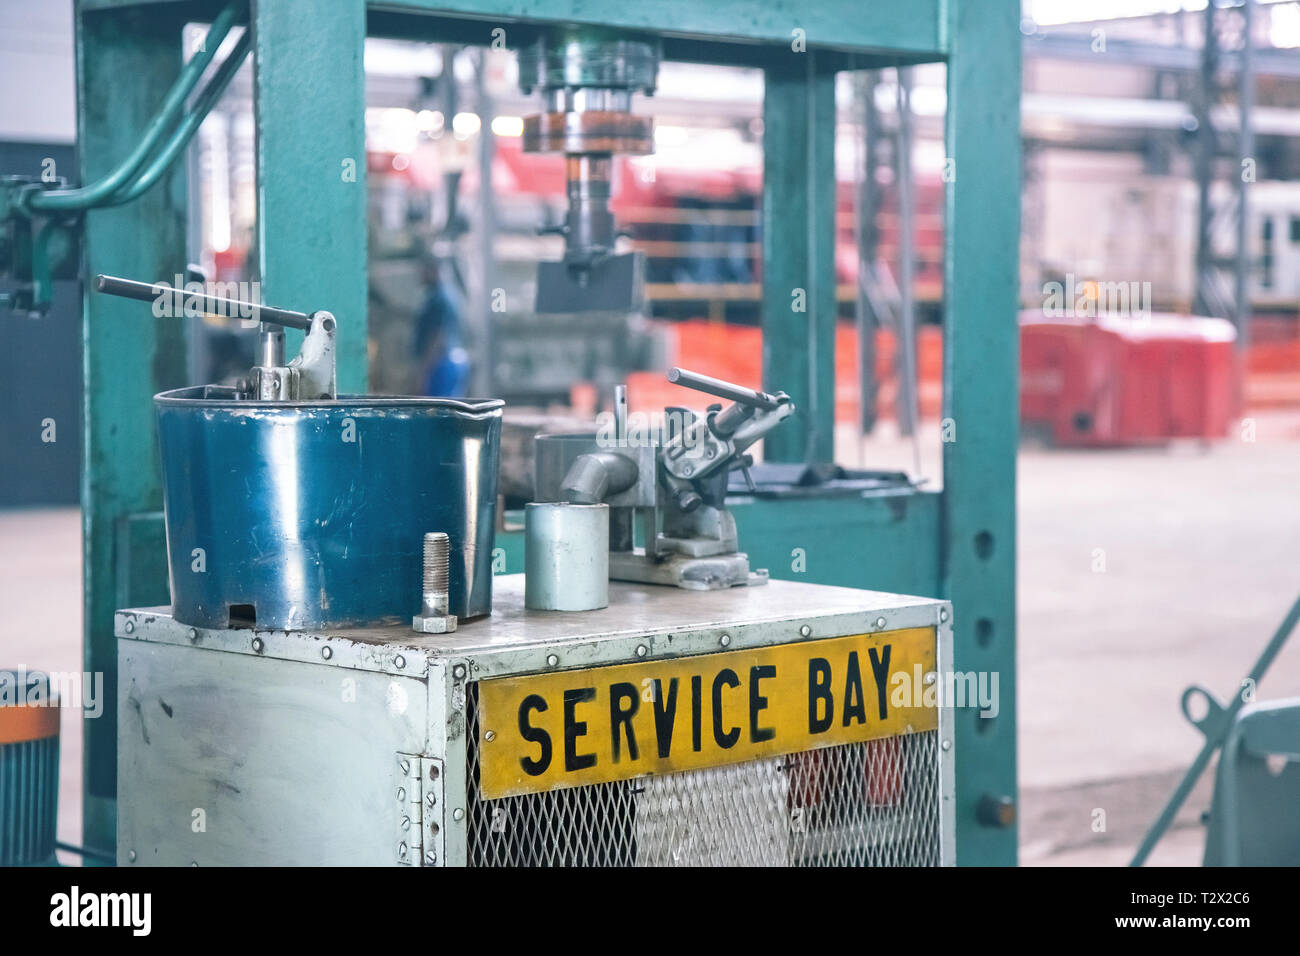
<point>437,553</point>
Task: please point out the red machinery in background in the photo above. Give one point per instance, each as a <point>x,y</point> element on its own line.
<point>1127,381</point>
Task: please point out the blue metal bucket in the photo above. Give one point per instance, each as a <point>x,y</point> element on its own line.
<point>300,515</point>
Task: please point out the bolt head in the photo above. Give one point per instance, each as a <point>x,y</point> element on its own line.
<point>490,736</point>
<point>130,855</point>
<point>725,640</point>
<point>405,766</point>
<point>880,622</point>
<point>641,650</point>
<point>943,615</point>
<point>458,672</point>
<point>193,634</point>
<point>458,814</point>
<point>258,645</point>
<point>129,627</point>
<point>552,660</point>
<point>327,652</point>
<point>805,630</point>
<point>434,623</point>
<point>946,745</point>
<point>431,858</point>
<point>399,662</point>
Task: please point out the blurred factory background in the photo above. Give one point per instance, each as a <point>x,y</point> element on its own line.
<point>1160,333</point>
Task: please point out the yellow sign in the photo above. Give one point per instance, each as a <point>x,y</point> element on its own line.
<point>572,728</point>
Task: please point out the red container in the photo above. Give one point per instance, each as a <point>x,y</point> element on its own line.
<point>1127,381</point>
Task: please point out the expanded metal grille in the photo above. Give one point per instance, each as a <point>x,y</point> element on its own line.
<point>869,804</point>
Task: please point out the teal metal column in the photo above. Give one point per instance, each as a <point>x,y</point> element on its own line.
<point>799,252</point>
<point>981,374</point>
<point>311,167</point>
<point>127,59</point>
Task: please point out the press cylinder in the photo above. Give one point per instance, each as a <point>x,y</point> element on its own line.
<point>566,556</point>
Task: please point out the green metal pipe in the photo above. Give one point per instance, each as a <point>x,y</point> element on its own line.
<point>85,197</point>
<point>185,132</point>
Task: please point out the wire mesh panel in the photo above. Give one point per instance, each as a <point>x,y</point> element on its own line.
<point>866,804</point>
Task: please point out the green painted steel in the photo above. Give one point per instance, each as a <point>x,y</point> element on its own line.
<point>981,399</point>
<point>799,253</point>
<point>311,168</point>
<point>310,119</point>
<point>914,27</point>
<point>128,354</point>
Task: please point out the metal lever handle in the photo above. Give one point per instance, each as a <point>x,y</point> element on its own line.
<point>233,308</point>
<point>716,386</point>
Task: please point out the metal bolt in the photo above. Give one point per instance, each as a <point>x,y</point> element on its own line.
<point>258,645</point>
<point>641,650</point>
<point>405,765</point>
<point>431,799</point>
<point>458,672</point>
<point>943,615</point>
<point>725,640</point>
<point>130,856</point>
<point>431,858</point>
<point>946,745</point>
<point>434,617</point>
<point>931,677</point>
<point>193,634</point>
<point>437,576</point>
<point>402,849</point>
<point>327,652</point>
<point>805,631</point>
<point>406,823</point>
<point>490,736</point>
<point>401,793</point>
<point>880,622</point>
<point>552,660</point>
<point>688,470</point>
<point>458,814</point>
<point>399,662</point>
<point>129,627</point>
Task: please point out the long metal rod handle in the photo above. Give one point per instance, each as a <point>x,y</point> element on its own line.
<point>216,305</point>
<point>716,386</point>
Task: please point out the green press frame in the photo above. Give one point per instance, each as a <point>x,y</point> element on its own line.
<point>958,543</point>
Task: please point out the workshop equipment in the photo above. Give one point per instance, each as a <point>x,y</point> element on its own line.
<point>29,768</point>
<point>782,725</point>
<point>958,541</point>
<point>289,506</point>
<point>587,78</point>
<point>1252,821</point>
<point>671,488</point>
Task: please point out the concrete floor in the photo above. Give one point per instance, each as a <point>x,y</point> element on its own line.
<point>1141,571</point>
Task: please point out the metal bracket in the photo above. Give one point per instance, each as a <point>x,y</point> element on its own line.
<point>1216,718</point>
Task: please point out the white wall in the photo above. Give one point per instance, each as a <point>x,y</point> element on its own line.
<point>38,91</point>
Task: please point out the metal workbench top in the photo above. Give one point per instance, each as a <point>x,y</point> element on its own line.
<point>641,621</point>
